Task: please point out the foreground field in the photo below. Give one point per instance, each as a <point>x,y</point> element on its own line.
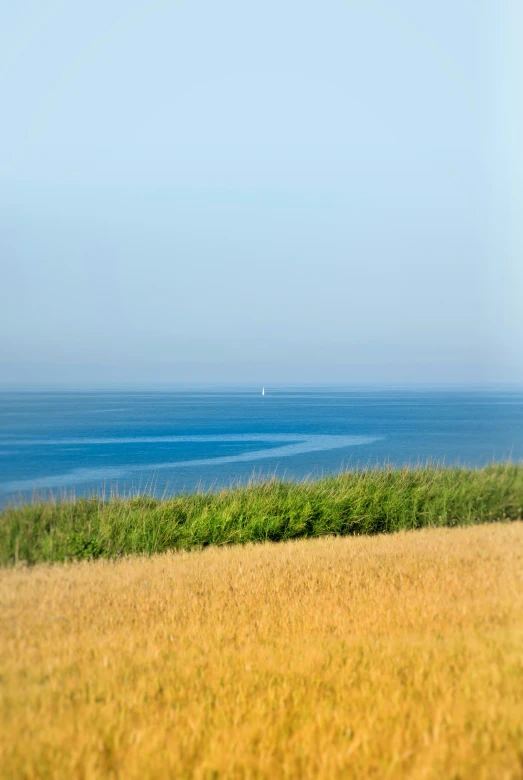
<point>385,656</point>
<point>369,501</point>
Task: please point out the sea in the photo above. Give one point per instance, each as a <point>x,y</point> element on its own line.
<point>56,444</point>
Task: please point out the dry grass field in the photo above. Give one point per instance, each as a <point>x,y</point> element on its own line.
<point>385,656</point>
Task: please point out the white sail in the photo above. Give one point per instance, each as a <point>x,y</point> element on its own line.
<point>263,391</point>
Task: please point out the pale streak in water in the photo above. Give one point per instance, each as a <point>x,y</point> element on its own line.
<point>298,444</point>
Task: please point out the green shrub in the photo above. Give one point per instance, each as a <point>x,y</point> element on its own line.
<point>359,502</point>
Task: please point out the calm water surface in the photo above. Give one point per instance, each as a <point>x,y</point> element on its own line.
<point>168,442</point>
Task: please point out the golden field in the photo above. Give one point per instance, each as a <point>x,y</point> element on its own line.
<point>385,656</point>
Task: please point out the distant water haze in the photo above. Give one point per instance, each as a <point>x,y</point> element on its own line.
<point>262,193</point>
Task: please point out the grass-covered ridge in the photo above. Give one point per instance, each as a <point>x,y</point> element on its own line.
<point>353,503</point>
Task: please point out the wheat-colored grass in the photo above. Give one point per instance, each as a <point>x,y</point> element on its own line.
<point>389,656</point>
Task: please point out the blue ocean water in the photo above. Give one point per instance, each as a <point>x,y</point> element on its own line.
<point>168,442</point>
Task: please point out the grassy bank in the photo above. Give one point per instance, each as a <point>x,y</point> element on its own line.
<point>393,656</point>
<point>353,503</point>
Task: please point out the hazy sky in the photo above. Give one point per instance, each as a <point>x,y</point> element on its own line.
<point>261,191</point>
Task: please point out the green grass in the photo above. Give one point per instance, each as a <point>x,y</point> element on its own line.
<point>363,502</point>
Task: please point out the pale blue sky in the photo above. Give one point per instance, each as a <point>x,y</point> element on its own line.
<point>261,191</point>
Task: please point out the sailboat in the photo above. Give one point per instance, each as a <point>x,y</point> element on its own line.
<point>263,391</point>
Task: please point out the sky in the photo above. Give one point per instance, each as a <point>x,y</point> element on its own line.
<point>287,191</point>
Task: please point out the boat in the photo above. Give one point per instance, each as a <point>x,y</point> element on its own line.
<point>263,391</point>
